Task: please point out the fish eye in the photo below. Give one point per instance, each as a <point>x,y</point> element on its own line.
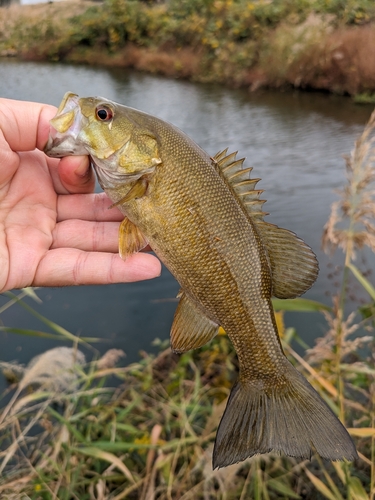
<point>103,113</point>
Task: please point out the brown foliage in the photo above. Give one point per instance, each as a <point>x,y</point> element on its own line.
<point>177,63</point>
<point>343,62</point>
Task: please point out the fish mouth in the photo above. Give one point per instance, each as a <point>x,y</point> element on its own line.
<point>64,130</point>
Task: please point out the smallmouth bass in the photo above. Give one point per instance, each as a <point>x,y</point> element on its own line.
<point>203,218</point>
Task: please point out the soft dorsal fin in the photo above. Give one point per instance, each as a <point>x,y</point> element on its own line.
<point>294,266</point>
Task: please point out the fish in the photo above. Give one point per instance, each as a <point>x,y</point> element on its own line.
<point>203,217</point>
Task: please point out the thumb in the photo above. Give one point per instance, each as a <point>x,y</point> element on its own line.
<point>76,175</point>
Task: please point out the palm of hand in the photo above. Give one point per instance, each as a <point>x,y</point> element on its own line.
<point>49,237</point>
<point>28,217</point>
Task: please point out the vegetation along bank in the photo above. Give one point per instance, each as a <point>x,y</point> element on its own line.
<point>307,44</point>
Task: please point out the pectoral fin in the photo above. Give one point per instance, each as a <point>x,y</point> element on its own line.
<point>137,191</point>
<point>191,328</point>
<point>131,240</point>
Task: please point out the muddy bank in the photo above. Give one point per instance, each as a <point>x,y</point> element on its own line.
<point>240,44</point>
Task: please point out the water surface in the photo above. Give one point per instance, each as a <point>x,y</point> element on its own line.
<point>294,141</point>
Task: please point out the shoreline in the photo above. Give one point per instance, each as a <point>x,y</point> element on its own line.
<point>313,53</point>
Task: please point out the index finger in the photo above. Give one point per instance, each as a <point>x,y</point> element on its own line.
<point>24,127</point>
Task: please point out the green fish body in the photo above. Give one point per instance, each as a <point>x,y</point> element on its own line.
<point>203,218</point>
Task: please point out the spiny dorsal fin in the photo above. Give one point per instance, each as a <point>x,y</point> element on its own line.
<point>294,266</point>
<point>239,180</point>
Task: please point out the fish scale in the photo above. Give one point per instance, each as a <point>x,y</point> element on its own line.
<point>203,217</point>
<point>220,291</point>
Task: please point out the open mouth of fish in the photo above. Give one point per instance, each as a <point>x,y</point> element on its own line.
<point>65,128</point>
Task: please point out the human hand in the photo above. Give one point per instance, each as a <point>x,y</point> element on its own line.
<point>49,236</point>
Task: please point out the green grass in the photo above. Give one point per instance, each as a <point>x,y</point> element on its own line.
<point>364,98</point>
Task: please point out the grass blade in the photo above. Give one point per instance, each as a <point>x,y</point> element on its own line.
<point>46,335</point>
<point>320,486</point>
<point>51,324</point>
<point>108,457</point>
<point>363,281</point>
<point>362,432</point>
<point>356,489</point>
<point>30,292</point>
<point>282,488</point>
<point>299,305</point>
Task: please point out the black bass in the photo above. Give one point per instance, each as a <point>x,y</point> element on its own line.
<point>203,218</point>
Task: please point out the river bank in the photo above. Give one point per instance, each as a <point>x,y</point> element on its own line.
<point>305,45</point>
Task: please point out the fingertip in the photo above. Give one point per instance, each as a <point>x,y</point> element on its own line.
<point>148,267</point>
<point>139,267</point>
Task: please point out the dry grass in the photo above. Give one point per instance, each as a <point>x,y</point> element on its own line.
<point>351,223</point>
<point>63,10</point>
<point>182,63</point>
<point>342,62</point>
<point>20,23</point>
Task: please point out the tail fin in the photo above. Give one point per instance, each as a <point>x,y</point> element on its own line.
<point>292,419</point>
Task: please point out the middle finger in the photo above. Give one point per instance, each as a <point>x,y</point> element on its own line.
<point>90,207</point>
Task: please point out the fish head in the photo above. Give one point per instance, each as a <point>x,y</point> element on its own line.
<point>119,146</point>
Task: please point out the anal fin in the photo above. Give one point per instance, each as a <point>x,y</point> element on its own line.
<point>191,328</point>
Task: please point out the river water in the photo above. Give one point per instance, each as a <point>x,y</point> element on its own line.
<point>294,141</point>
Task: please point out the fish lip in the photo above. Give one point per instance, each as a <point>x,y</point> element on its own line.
<point>59,147</point>
<point>64,143</point>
